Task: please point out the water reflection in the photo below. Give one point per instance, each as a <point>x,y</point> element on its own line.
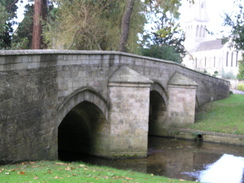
<point>185,160</point>
<point>227,169</point>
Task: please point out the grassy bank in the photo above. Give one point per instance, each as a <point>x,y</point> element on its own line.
<point>49,172</point>
<point>226,116</point>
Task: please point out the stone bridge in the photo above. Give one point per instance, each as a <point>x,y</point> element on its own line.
<point>54,103</point>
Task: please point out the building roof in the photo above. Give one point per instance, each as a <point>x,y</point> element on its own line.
<point>210,45</point>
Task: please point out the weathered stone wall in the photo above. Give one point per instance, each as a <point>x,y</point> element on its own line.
<point>38,88</point>
<point>27,100</point>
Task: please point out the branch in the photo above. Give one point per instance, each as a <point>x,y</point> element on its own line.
<point>15,1</point>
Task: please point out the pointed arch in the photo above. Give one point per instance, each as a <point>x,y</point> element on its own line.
<point>197,31</point>
<point>81,95</point>
<point>160,89</point>
<point>204,31</point>
<point>82,125</point>
<point>201,31</point>
<point>158,109</point>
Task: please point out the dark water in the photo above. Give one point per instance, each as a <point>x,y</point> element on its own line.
<point>182,159</point>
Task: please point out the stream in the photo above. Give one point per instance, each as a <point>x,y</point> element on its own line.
<point>188,160</point>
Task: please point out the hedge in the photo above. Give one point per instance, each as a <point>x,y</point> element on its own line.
<point>241,87</point>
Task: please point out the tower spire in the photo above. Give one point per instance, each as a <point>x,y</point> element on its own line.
<point>195,24</point>
<point>201,12</point>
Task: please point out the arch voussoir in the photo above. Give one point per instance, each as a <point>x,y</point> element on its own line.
<point>81,95</point>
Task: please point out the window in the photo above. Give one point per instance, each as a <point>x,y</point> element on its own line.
<point>227,55</point>
<point>197,31</point>
<point>204,31</point>
<point>201,31</point>
<point>237,59</point>
<point>232,59</point>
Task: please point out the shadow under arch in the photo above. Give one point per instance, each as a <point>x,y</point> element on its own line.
<point>82,126</point>
<point>158,110</point>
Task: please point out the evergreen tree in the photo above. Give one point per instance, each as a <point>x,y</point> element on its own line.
<point>22,38</point>
<point>8,10</point>
<point>23,35</point>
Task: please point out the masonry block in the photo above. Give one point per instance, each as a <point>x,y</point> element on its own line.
<point>182,100</point>
<point>129,112</point>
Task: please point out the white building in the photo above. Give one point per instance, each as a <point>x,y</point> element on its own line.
<point>206,54</point>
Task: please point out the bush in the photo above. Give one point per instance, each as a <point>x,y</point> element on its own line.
<point>240,75</point>
<point>162,52</point>
<point>240,87</point>
<point>228,75</point>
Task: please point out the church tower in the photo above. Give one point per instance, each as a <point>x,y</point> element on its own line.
<point>195,24</point>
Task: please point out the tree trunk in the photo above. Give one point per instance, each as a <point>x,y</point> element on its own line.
<point>40,7</point>
<point>125,25</point>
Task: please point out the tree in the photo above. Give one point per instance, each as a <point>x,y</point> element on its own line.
<point>237,25</point>
<point>125,25</point>
<point>162,52</point>
<point>8,10</point>
<point>171,6</point>
<point>240,74</point>
<point>3,17</point>
<point>91,24</point>
<point>22,38</point>
<point>237,34</point>
<point>103,25</point>
<point>40,12</point>
<point>166,37</point>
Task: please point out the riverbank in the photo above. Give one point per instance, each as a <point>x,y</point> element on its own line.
<point>206,136</point>
<point>220,122</point>
<point>51,172</point>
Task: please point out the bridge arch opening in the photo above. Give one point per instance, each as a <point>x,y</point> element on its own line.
<point>82,125</point>
<point>79,132</point>
<point>157,113</point>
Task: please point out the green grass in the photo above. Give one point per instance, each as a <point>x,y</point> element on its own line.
<point>49,171</point>
<point>226,116</point>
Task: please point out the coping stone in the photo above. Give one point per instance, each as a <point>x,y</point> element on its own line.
<point>126,75</point>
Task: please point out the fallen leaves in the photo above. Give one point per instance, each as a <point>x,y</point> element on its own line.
<point>58,163</point>
<point>57,177</point>
<point>28,163</point>
<point>69,168</point>
<point>21,173</point>
<point>63,172</point>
